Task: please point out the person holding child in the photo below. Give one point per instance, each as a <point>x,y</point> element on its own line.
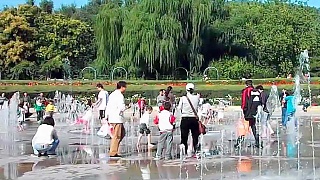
<point>166,124</point>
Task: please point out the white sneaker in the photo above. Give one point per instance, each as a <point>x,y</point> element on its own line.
<point>157,158</point>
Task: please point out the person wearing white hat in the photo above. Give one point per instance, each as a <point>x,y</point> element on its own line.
<point>188,106</point>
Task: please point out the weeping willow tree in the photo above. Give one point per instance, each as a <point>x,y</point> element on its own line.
<point>153,34</point>
<point>108,30</point>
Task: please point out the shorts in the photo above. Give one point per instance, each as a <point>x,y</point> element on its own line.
<point>144,129</point>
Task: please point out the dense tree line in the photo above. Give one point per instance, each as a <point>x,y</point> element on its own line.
<point>35,42</point>
<point>239,38</point>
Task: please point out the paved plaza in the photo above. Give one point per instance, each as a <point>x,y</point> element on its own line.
<point>84,156</point>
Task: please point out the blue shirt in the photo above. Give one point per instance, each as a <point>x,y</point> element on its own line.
<point>290,104</point>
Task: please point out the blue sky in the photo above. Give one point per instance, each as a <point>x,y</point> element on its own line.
<point>58,3</point>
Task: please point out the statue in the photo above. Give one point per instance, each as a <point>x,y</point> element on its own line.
<point>67,69</point>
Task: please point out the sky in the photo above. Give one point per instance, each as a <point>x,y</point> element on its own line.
<point>58,3</point>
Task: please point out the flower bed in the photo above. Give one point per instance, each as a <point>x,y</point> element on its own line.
<point>266,82</point>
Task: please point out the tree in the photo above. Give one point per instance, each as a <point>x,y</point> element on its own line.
<point>46,6</point>
<point>153,34</point>
<point>16,44</point>
<point>59,38</point>
<point>30,2</point>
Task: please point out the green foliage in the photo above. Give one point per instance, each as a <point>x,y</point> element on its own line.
<point>145,35</point>
<point>46,6</point>
<point>34,42</point>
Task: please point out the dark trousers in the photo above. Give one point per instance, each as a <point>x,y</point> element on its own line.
<point>39,115</point>
<point>252,124</point>
<point>187,124</point>
<point>101,114</point>
<point>141,111</point>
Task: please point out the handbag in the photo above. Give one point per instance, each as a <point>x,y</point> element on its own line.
<point>202,127</point>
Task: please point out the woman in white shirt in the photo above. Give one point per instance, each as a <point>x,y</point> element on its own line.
<point>189,119</point>
<point>45,141</point>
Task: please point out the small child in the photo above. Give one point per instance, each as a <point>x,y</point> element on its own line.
<point>50,108</point>
<point>220,113</point>
<point>141,105</point>
<point>205,111</point>
<point>144,126</point>
<point>166,124</point>
<point>85,120</point>
<point>39,107</point>
<point>21,115</point>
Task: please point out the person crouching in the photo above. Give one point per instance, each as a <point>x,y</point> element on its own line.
<point>166,124</point>
<point>45,141</point>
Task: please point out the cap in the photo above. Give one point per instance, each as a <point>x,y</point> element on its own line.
<point>189,86</point>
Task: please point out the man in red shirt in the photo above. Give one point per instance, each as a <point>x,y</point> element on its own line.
<point>250,100</point>
<point>246,92</point>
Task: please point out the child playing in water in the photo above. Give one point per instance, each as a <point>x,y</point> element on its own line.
<point>21,115</point>
<point>85,119</point>
<point>144,126</point>
<point>50,108</point>
<point>205,111</point>
<point>141,105</point>
<point>165,121</point>
<point>39,108</point>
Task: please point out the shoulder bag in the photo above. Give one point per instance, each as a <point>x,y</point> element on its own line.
<point>202,127</point>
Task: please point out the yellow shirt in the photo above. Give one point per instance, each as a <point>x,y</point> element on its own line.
<point>50,108</point>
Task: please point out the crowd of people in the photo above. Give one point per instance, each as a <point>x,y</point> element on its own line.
<point>257,105</point>
<point>112,106</point>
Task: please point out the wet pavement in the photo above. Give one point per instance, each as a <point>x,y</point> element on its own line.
<point>84,156</point>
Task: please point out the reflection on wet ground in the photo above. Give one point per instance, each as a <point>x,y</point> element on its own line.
<point>279,159</point>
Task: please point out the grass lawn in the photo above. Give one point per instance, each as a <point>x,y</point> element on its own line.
<point>153,82</point>
<point>131,87</point>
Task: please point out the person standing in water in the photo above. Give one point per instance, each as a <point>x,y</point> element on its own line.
<point>249,104</point>
<point>264,113</point>
<point>160,98</point>
<point>283,95</point>
<point>169,97</point>
<point>291,109</point>
<point>189,105</point>
<point>115,108</point>
<point>102,101</point>
<point>26,100</point>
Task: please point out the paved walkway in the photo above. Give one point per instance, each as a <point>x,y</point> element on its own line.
<point>83,156</point>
